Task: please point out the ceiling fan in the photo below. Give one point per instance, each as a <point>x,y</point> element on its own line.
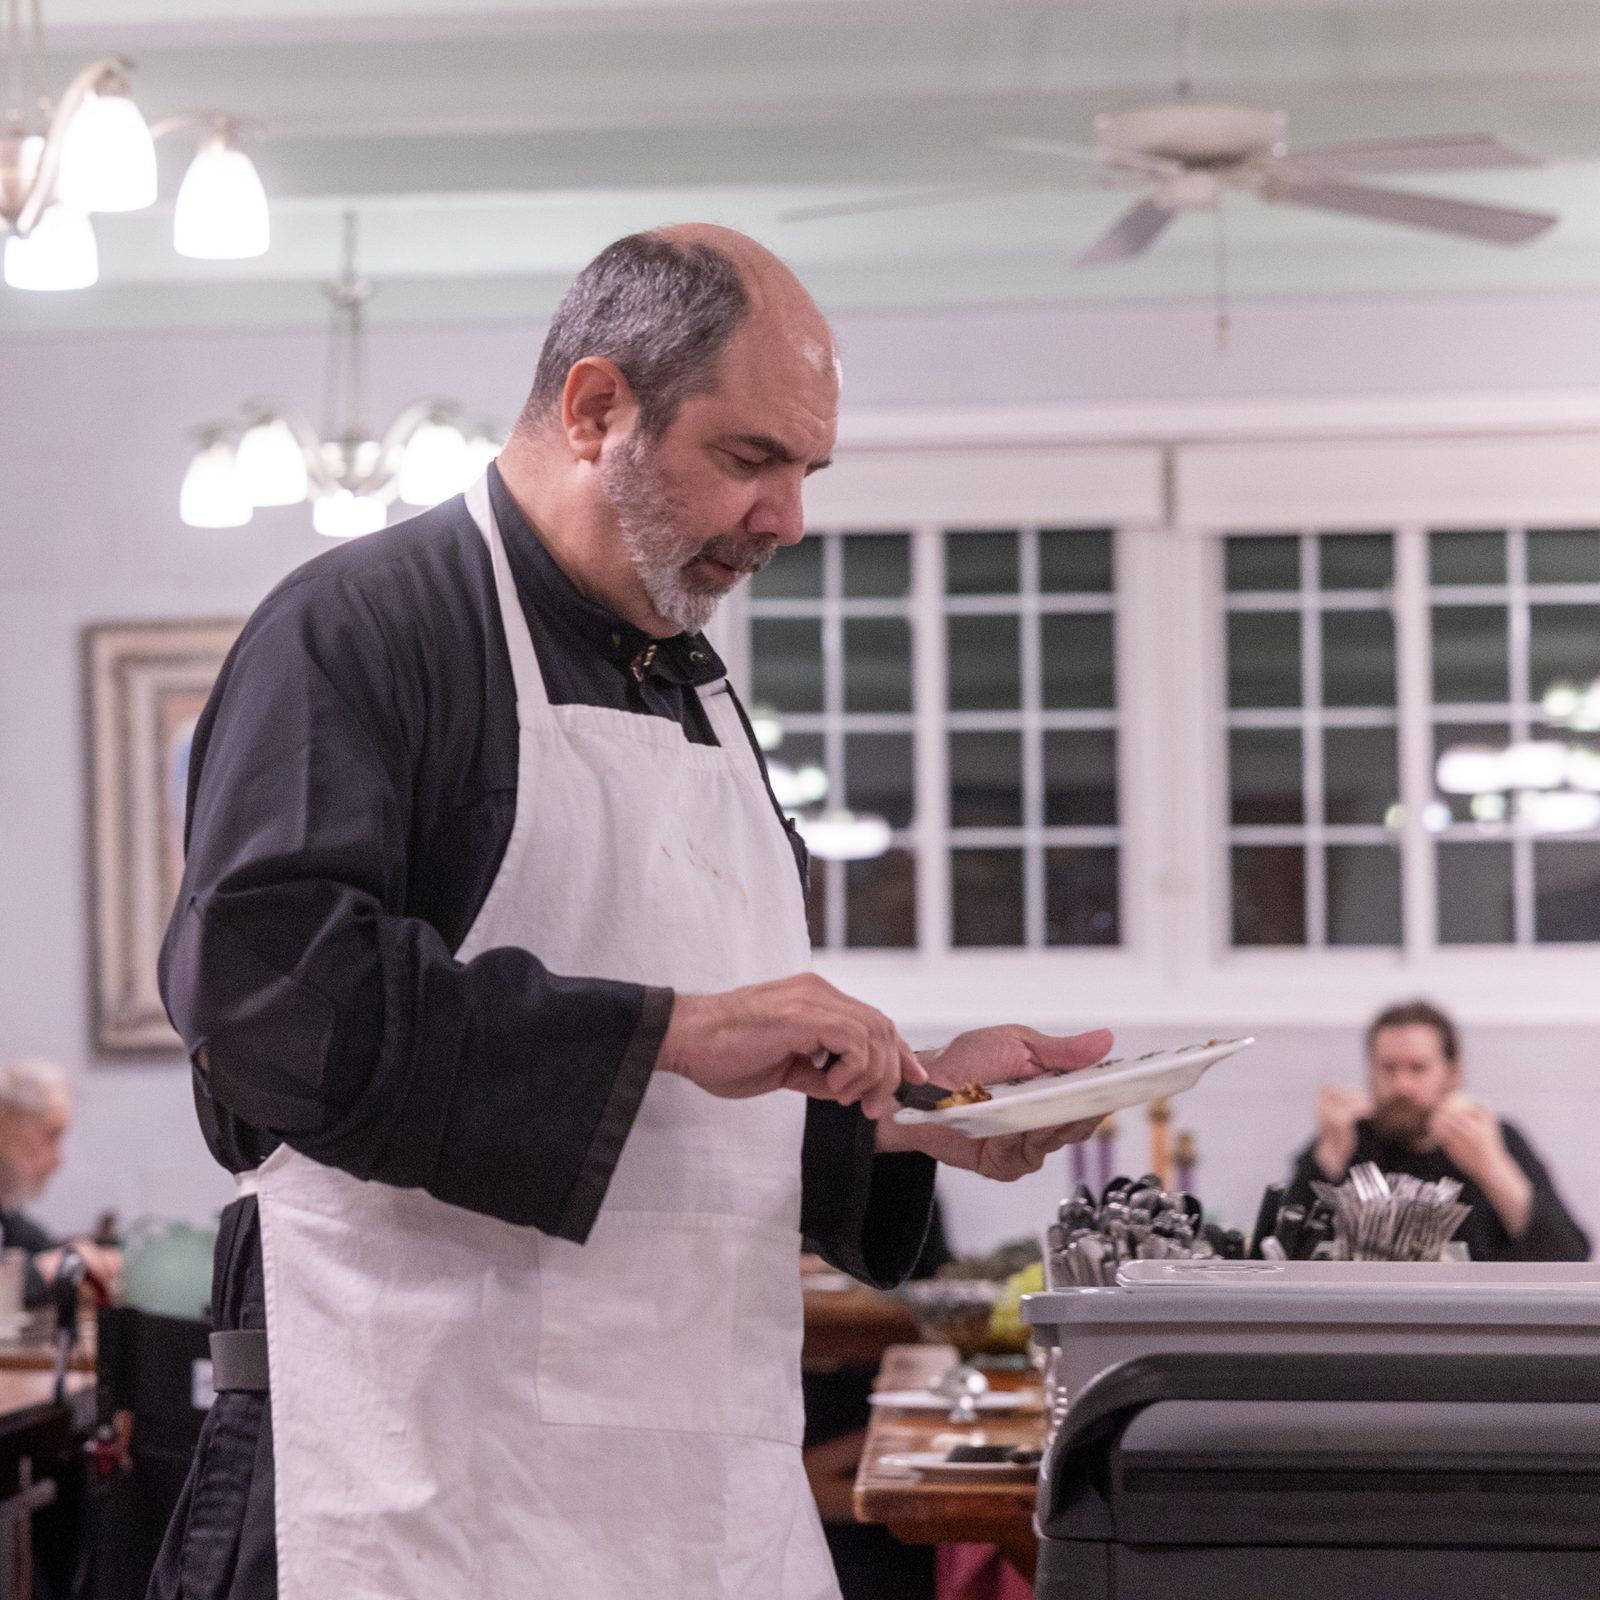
<point>1188,154</point>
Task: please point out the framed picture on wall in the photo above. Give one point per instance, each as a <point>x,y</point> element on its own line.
<point>145,684</point>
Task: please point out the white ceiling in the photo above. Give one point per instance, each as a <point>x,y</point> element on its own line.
<point>491,146</point>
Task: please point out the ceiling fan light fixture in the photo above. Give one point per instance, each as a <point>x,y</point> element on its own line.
<point>221,214</point>
<point>212,495</point>
<point>108,159</point>
<point>272,465</point>
<point>434,464</point>
<point>60,253</point>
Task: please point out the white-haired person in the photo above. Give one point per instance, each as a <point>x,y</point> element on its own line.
<point>35,1113</point>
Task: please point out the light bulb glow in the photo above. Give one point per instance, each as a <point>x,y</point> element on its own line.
<point>1536,764</point>
<point>212,496</point>
<point>108,159</point>
<point>59,253</point>
<point>844,835</point>
<point>221,214</point>
<point>342,515</point>
<point>1471,769</point>
<point>482,448</point>
<point>434,465</point>
<point>272,466</point>
<point>1559,811</point>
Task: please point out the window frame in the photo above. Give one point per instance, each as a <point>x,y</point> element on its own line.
<point>1176,964</point>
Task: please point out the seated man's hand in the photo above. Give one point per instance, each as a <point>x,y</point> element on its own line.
<point>999,1055</point>
<point>1338,1111</point>
<point>104,1261</point>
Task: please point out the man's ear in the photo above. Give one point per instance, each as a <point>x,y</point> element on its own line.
<point>596,400</point>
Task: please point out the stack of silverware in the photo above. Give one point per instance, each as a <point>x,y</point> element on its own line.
<point>1393,1217</point>
<point>1135,1219</point>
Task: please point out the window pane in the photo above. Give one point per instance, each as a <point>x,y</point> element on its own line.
<point>1269,894</point>
<point>1254,565</point>
<point>1077,662</point>
<point>980,563</point>
<point>881,902</point>
<point>1265,776</point>
<point>1564,555</point>
<point>986,780</point>
<point>986,893</point>
<point>877,664</point>
<point>1475,557</point>
<point>878,776</point>
<point>877,565</point>
<point>1356,560</point>
<point>985,663</point>
<point>1080,896</point>
<point>1470,655</point>
<point>1075,561</point>
<point>1566,891</point>
<point>1563,642</point>
<point>1080,779</point>
<point>1357,658</point>
<point>1361,773</point>
<point>1264,658</point>
<point>1474,893</point>
<point>1449,736</point>
<point>794,573</point>
<point>786,662</point>
<point>1363,894</point>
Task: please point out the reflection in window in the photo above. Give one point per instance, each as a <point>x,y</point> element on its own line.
<point>1516,676</point>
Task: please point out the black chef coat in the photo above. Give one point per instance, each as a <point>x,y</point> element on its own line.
<point>351,791</point>
<point>1551,1234</point>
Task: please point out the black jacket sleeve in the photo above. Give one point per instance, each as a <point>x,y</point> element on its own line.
<point>1552,1234</point>
<point>863,1213</point>
<point>315,1007</point>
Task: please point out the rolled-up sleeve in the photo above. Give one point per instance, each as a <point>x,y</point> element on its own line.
<point>319,1011</point>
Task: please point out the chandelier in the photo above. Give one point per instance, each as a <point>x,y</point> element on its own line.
<point>93,151</point>
<point>351,477</point>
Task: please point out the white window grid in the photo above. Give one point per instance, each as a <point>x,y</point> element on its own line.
<point>1523,714</point>
<point>1416,716</point>
<point>931,837</point>
<point>1311,602</point>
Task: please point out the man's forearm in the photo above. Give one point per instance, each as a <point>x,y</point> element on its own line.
<point>1508,1190</point>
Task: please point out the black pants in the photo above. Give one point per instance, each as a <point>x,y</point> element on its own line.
<point>220,1544</point>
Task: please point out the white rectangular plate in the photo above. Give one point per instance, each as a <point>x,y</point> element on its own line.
<point>1076,1096</point>
<point>932,1465</point>
<point>927,1400</point>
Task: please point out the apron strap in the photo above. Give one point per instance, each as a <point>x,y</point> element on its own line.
<point>531,694</point>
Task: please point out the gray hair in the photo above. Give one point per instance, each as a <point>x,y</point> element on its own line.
<point>662,312</point>
<point>30,1085</point>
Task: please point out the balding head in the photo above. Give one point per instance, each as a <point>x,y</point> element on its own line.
<point>663,307</point>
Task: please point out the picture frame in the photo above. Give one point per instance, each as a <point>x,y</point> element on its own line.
<point>145,684</point>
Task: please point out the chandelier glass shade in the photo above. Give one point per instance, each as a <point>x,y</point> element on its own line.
<point>92,151</point>
<point>350,475</point>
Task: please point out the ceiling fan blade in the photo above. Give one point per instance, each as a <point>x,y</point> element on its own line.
<point>1493,224</point>
<point>1126,160</point>
<point>1462,152</point>
<point>901,202</point>
<point>1130,235</point>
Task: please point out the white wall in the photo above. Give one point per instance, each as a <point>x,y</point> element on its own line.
<point>94,433</point>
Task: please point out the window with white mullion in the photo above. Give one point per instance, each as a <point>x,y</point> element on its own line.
<point>1033,909</point>
<point>1316,906</point>
<point>931,752</point>
<point>1311,726</point>
<point>1517,643</point>
<point>833,733</point>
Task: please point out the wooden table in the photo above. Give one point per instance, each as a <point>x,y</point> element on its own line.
<point>852,1327</point>
<point>1000,1514</point>
<point>37,1433</point>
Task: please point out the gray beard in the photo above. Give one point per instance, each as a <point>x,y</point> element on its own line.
<point>660,543</point>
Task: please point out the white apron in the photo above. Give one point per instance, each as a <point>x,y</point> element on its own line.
<point>465,1408</point>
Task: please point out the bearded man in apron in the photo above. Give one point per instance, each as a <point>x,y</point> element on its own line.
<point>491,957</point>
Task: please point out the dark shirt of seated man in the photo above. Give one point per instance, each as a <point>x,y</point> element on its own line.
<point>1416,1119</point>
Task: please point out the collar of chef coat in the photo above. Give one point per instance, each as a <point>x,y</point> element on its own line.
<point>685,658</point>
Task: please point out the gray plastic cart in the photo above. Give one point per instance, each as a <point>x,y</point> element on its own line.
<point>1265,1430</point>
